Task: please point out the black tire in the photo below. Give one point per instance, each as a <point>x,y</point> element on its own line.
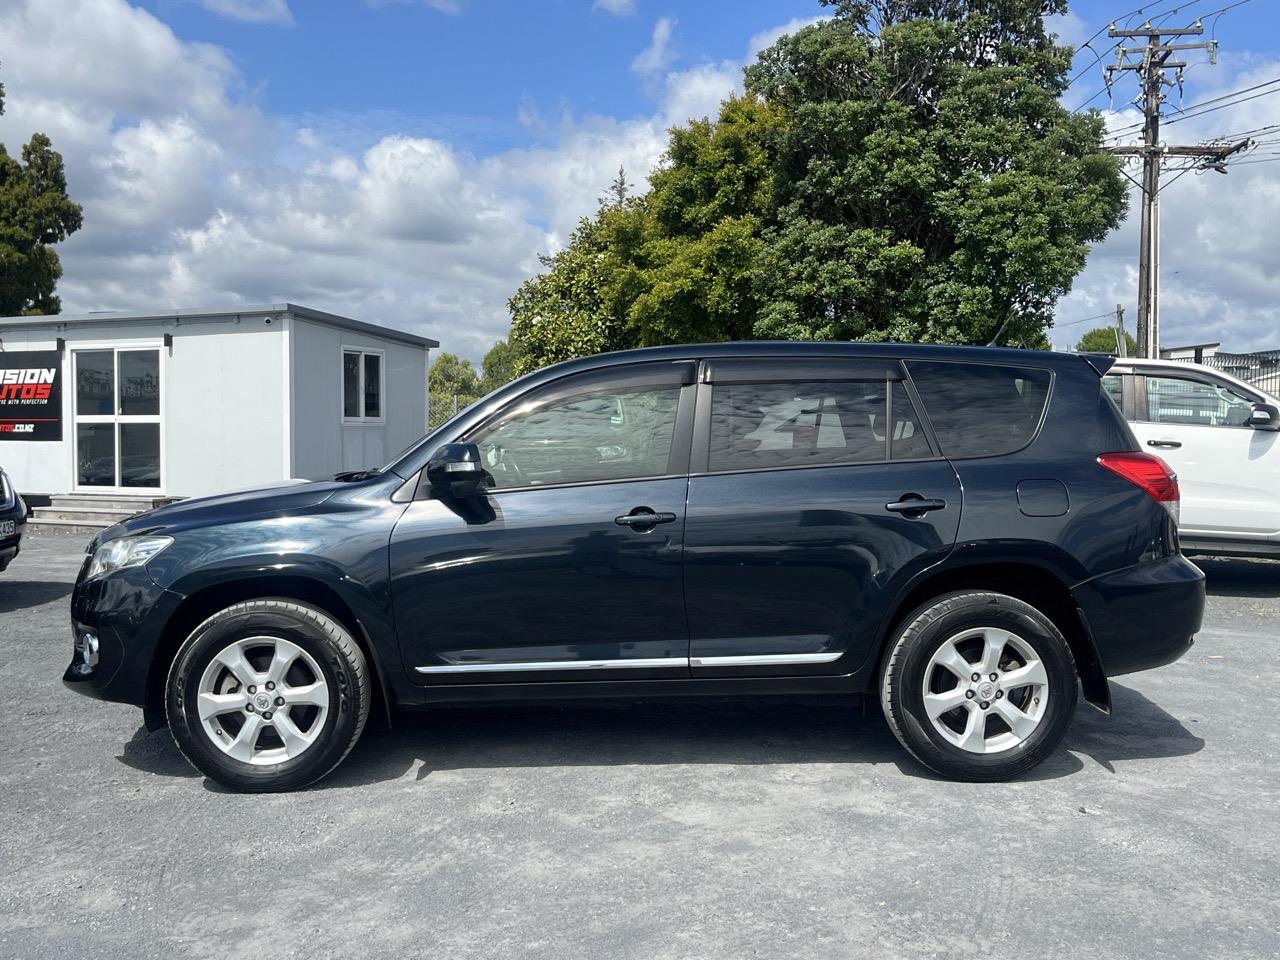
<point>903,677</point>
<point>331,647</point>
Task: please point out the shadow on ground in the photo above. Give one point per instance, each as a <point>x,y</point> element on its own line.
<point>24,594</point>
<point>1226,577</point>
<point>756,732</point>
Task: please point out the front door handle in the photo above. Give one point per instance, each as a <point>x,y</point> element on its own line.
<point>1171,444</point>
<point>913,505</point>
<point>642,518</point>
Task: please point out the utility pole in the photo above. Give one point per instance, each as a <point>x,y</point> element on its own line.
<point>1122,338</point>
<point>1150,66</point>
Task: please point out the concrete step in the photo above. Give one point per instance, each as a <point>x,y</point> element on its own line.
<point>99,514</point>
<point>36,525</point>
<point>122,503</point>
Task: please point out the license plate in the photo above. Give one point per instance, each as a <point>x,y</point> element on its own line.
<point>7,527</point>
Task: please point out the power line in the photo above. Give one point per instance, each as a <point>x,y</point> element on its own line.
<point>1198,110</point>
<point>1072,323</point>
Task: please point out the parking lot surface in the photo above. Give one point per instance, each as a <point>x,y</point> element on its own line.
<point>736,830</point>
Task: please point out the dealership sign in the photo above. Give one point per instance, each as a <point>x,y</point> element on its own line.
<point>31,395</point>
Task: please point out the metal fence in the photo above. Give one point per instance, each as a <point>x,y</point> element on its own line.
<point>441,406</point>
<point>1262,369</point>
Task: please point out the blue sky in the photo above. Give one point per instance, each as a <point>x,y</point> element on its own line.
<point>405,161</point>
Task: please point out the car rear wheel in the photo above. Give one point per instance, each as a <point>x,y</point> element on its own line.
<point>979,686</point>
<point>268,695</point>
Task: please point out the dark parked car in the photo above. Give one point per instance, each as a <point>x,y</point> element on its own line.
<point>970,535</point>
<point>13,521</point>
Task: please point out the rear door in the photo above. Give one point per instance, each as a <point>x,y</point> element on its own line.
<point>1229,473</point>
<point>800,520</point>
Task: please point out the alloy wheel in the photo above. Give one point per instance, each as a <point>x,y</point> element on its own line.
<point>262,700</point>
<point>985,690</point>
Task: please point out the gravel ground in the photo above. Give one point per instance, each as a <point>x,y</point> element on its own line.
<point>711,830</point>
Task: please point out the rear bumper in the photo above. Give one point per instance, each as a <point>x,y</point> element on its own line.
<point>1143,616</point>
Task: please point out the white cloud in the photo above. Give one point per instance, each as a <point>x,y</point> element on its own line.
<point>619,8</point>
<point>767,38</point>
<point>1069,27</point>
<point>252,11</point>
<point>658,56</point>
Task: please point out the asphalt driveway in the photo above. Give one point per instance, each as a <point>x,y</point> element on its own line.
<point>651,831</point>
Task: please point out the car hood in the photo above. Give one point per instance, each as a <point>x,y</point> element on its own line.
<point>238,507</point>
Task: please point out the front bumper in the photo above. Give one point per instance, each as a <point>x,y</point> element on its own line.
<point>12,545</point>
<point>125,613</point>
<point>1143,616</point>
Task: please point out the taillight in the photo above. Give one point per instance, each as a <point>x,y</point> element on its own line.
<point>1150,473</point>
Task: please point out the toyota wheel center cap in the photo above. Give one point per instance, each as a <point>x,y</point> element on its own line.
<point>986,690</point>
<point>262,701</point>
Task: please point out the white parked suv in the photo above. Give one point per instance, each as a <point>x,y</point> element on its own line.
<point>1222,437</point>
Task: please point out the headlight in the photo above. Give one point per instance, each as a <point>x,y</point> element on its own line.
<point>125,552</point>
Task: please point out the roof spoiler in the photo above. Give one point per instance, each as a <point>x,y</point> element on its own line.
<point>1100,362</point>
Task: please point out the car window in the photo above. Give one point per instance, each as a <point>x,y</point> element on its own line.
<point>1186,401</point>
<point>793,423</point>
<point>981,410</point>
<point>602,434</point>
<point>1114,388</point>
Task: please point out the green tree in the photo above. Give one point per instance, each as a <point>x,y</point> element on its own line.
<point>930,185</point>
<point>1103,340</point>
<point>35,213</point>
<point>451,374</point>
<point>563,313</point>
<point>500,365</point>
<point>902,170</point>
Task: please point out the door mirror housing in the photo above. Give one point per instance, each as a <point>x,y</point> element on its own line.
<point>1264,416</point>
<point>457,471</point>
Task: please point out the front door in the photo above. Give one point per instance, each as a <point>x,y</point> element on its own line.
<point>1228,473</point>
<point>801,520</point>
<point>118,445</point>
<point>570,567</point>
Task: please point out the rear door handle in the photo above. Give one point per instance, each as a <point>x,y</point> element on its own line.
<point>913,505</point>
<point>641,517</point>
<point>1171,444</point>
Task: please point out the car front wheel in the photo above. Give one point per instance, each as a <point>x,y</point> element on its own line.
<point>268,695</point>
<point>979,686</point>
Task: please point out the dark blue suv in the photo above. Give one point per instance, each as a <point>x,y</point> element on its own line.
<point>970,535</point>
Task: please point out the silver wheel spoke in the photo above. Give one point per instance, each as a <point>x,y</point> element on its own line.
<point>936,704</point>
<point>242,747</point>
<point>215,704</point>
<point>310,694</point>
<point>1020,723</point>
<point>993,644</point>
<point>974,738</point>
<point>295,741</point>
<point>949,657</point>
<point>233,659</point>
<point>1033,674</point>
<point>283,658</point>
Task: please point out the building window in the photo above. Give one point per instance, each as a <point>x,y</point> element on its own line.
<point>362,386</point>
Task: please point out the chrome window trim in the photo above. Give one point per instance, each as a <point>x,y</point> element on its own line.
<point>766,660</point>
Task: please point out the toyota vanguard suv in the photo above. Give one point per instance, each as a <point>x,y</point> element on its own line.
<point>972,536</point>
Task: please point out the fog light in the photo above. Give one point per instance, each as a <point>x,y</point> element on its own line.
<point>87,648</point>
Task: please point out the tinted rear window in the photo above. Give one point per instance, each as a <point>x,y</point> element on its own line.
<point>795,423</point>
<point>981,410</point>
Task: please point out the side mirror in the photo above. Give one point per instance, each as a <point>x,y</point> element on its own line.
<point>1264,416</point>
<point>456,470</point>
